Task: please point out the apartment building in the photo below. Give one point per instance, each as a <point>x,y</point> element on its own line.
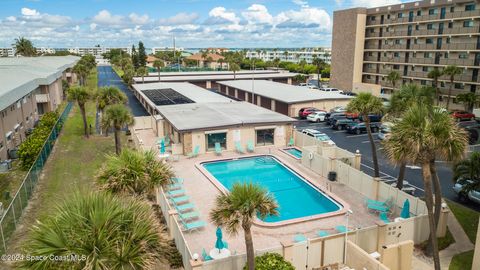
<point>166,49</point>
<point>294,56</point>
<point>7,52</point>
<point>30,87</point>
<point>411,39</point>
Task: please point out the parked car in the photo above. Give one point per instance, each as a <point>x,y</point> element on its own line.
<point>360,127</point>
<point>372,117</point>
<point>463,115</point>
<point>348,93</point>
<point>302,84</point>
<point>384,131</point>
<point>330,118</point>
<point>318,135</point>
<point>303,112</point>
<point>316,116</point>
<point>329,89</point>
<point>338,109</point>
<point>473,129</point>
<point>473,195</point>
<point>341,123</point>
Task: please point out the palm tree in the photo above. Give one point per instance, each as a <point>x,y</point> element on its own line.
<point>80,95</point>
<point>109,95</point>
<point>469,100</point>
<point>142,72</point>
<point>234,67</point>
<point>418,137</point>
<point>24,47</point>
<point>134,172</point>
<point>221,61</point>
<point>204,57</point>
<point>104,231</point>
<point>366,104</point>
<point>435,74</point>
<point>117,116</point>
<point>468,169</point>
<point>451,72</point>
<point>82,72</point>
<point>239,208</point>
<point>393,77</point>
<point>158,64</point>
<point>319,63</point>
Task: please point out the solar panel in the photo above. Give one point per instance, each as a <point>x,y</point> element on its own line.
<point>166,96</point>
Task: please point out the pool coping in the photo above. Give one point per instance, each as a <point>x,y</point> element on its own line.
<point>284,150</point>
<point>344,206</point>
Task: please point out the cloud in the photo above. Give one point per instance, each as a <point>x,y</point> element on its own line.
<point>29,12</point>
<point>11,18</point>
<point>104,17</point>
<point>306,16</point>
<point>374,3</point>
<point>180,19</point>
<point>222,13</point>
<point>301,3</point>
<point>93,26</point>
<point>137,19</point>
<point>257,14</point>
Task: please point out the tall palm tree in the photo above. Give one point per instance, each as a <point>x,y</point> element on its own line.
<point>319,63</point>
<point>158,64</point>
<point>366,104</point>
<point>468,169</point>
<point>134,172</point>
<point>105,231</point>
<point>418,137</point>
<point>117,116</point>
<point>239,208</point>
<point>469,100</point>
<point>142,72</point>
<point>80,95</point>
<point>24,47</point>
<point>451,72</point>
<point>234,67</point>
<point>82,72</point>
<point>435,74</point>
<point>393,77</point>
<point>109,95</point>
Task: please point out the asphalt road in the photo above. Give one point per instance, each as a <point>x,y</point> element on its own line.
<point>388,172</point>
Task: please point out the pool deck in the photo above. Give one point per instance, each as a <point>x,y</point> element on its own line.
<point>202,193</point>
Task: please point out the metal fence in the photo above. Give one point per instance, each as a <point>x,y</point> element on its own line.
<point>11,217</point>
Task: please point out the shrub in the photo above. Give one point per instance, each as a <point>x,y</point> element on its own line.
<point>270,261</point>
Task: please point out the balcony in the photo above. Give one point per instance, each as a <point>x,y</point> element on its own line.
<point>461,30</point>
<point>425,61</point>
<point>457,62</point>
<point>460,46</point>
<point>423,47</point>
<point>371,45</point>
<point>370,58</point>
<point>369,70</point>
<point>374,34</point>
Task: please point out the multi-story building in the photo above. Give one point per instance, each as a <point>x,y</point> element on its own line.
<point>411,39</point>
<point>167,49</point>
<point>294,56</point>
<point>7,52</point>
<point>30,87</point>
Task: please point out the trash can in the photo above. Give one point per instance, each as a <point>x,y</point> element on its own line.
<point>332,176</point>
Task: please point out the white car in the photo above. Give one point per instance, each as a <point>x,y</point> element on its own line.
<point>338,109</point>
<point>317,116</point>
<point>384,132</point>
<point>473,195</point>
<point>318,135</point>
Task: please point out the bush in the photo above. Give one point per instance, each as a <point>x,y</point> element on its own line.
<point>271,261</point>
<point>31,147</point>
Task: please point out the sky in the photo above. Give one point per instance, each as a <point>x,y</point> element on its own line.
<point>194,23</point>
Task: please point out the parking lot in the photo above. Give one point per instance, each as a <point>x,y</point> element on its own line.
<point>388,172</point>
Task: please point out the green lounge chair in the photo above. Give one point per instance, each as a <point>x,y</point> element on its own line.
<point>218,149</point>
<point>179,200</point>
<point>299,238</point>
<point>341,229</point>
<point>225,244</point>
<point>195,152</point>
<point>250,147</point>
<point>188,215</point>
<point>177,180</point>
<point>379,208</point>
<point>205,256</point>
<point>322,233</point>
<point>383,217</point>
<point>176,193</point>
<point>386,202</point>
<point>191,226</point>
<point>239,148</point>
<point>182,208</point>
<point>291,142</point>
<point>174,187</point>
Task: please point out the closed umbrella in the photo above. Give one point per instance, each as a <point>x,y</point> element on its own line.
<point>406,209</point>
<point>219,243</point>
<point>162,147</point>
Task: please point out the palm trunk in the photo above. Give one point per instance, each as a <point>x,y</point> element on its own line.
<point>249,245</point>
<point>372,144</point>
<point>401,175</point>
<point>118,145</point>
<point>84,118</point>
<point>318,77</point>
<point>436,91</point>
<point>158,74</point>
<point>427,180</point>
<point>437,189</point>
<point>449,93</point>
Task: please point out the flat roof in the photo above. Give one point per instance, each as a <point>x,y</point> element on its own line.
<point>207,73</point>
<point>21,75</point>
<point>194,116</point>
<point>215,77</point>
<point>283,92</point>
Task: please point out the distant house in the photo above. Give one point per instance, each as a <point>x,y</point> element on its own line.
<point>150,60</point>
<point>211,60</point>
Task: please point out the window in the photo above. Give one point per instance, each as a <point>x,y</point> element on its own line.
<point>396,54</point>
<point>429,41</point>
<point>467,23</point>
<point>459,85</point>
<point>423,82</point>
<point>417,27</point>
<point>470,7</point>
<point>387,29</point>
<point>370,54</point>
<point>388,16</point>
<point>414,55</point>
<point>372,30</point>
<point>450,25</point>
<point>430,26</point>
<point>372,18</point>
<point>442,84</point>
<point>452,9</point>
<point>413,68</point>
<point>448,40</point>
<point>427,55</point>
<point>445,55</point>
<point>213,138</point>
<point>9,135</point>
<point>415,41</point>
<point>1,144</point>
<point>386,42</point>
<point>432,11</point>
<point>419,13</point>
<point>396,66</point>
<point>462,55</point>
<point>369,77</point>
<point>369,66</point>
<point>425,69</point>
<point>398,41</point>
<point>400,15</point>
<point>384,54</point>
<point>265,136</point>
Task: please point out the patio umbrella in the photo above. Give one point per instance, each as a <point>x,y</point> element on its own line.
<point>162,147</point>
<point>406,209</point>
<point>219,243</point>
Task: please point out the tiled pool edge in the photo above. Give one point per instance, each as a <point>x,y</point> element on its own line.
<point>284,150</point>
<point>261,223</point>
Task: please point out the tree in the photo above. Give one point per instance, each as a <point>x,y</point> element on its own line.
<point>365,104</point>
<point>82,72</point>
<point>124,62</point>
<point>158,64</point>
<point>142,55</point>
<point>117,116</point>
<point>234,67</point>
<point>80,95</point>
<point>135,62</point>
<point>142,72</point>
<point>109,95</point>
<point>128,74</point>
<point>24,47</point>
<point>105,231</point>
<point>393,77</point>
<point>434,74</point>
<point>469,100</point>
<point>451,72</point>
<point>418,137</point>
<point>133,172</point>
<point>319,63</point>
<point>204,57</point>
<point>239,208</point>
<point>270,261</point>
<point>468,169</point>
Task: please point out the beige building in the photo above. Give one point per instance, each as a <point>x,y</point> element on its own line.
<point>411,39</point>
<point>30,87</point>
<point>282,98</point>
<point>211,60</point>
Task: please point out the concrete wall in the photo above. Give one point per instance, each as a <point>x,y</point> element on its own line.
<point>374,89</point>
<point>397,256</point>
<point>359,259</point>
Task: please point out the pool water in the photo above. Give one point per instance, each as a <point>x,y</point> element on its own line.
<point>296,198</point>
<point>294,152</point>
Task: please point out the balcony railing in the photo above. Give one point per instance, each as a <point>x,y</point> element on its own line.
<point>426,17</point>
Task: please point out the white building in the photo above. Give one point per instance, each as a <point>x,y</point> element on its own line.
<point>45,50</point>
<point>294,56</point>
<point>166,49</point>
<point>7,52</point>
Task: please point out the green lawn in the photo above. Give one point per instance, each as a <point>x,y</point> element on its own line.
<point>10,182</point>
<point>118,70</point>
<point>462,261</point>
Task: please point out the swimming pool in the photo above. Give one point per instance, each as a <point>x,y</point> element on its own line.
<point>296,197</point>
<point>295,152</point>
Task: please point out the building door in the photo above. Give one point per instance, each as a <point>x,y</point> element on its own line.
<point>442,13</point>
<point>265,136</point>
<point>213,138</point>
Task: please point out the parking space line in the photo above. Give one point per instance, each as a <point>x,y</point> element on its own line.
<point>360,135</point>
<point>392,177</point>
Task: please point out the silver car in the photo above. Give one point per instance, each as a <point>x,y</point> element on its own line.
<point>472,195</point>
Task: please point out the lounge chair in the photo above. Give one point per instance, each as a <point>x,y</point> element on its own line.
<point>205,256</point>
<point>322,233</point>
<point>195,152</point>
<point>177,180</point>
<point>250,147</point>
<point>174,187</point>
<point>379,207</point>
<point>239,148</point>
<point>299,238</point>
<point>188,215</point>
<point>370,201</point>
<point>176,193</point>
<point>194,225</point>
<point>291,142</point>
<point>225,244</point>
<point>218,149</point>
<point>383,217</point>
<point>182,208</point>
<point>341,229</point>
<point>179,200</point>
